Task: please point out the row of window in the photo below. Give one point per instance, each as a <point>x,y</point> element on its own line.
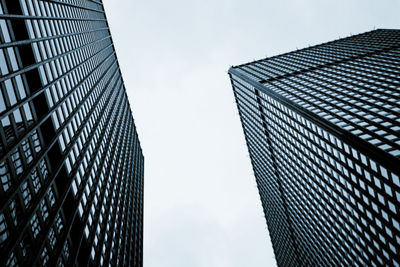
<point>301,150</point>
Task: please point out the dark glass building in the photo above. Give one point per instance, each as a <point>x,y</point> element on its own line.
<point>71,165</point>
<point>322,125</point>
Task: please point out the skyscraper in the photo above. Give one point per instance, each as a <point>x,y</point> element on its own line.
<point>322,126</point>
<point>71,165</point>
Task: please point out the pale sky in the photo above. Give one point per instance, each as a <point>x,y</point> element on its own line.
<point>202,206</point>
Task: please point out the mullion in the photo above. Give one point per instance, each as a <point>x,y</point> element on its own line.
<point>107,200</point>
<point>322,70</point>
<point>54,107</point>
<point>50,181</point>
<point>122,205</point>
<point>298,166</point>
<point>57,2</point>
<point>112,204</point>
<point>65,193</point>
<point>350,171</point>
<point>43,153</point>
<point>24,17</point>
<point>123,122</point>
<point>362,145</point>
<point>116,205</point>
<point>320,195</point>
<point>87,173</point>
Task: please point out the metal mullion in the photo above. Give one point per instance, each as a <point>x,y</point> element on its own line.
<point>138,231</point>
<point>387,59</point>
<point>48,60</point>
<point>129,223</point>
<point>30,98</point>
<point>44,189</point>
<point>108,250</point>
<point>31,41</point>
<point>251,67</point>
<point>334,70</point>
<point>130,219</point>
<point>259,151</point>
<point>28,17</point>
<point>126,200</point>
<point>354,64</point>
<point>256,122</point>
<point>96,2</point>
<point>69,225</point>
<point>307,57</point>
<point>364,56</point>
<point>57,2</point>
<point>256,163</point>
<point>63,196</point>
<point>377,65</point>
<point>339,53</point>
<point>243,116</point>
<point>54,107</point>
<point>139,195</point>
<point>333,167</point>
<point>357,46</point>
<point>123,204</point>
<point>114,217</point>
<point>373,134</point>
<point>332,74</point>
<point>321,60</point>
<point>44,152</point>
<point>300,78</point>
<point>86,145</point>
<point>334,189</point>
<point>41,25</point>
<point>278,177</point>
<point>287,62</point>
<point>86,212</point>
<point>289,186</point>
<point>103,199</point>
<point>295,66</point>
<point>121,201</point>
<point>87,173</point>
<point>371,184</point>
<point>351,49</point>
<point>109,200</point>
<point>334,115</point>
<point>137,170</point>
<point>276,66</point>
<point>292,53</point>
<point>347,77</point>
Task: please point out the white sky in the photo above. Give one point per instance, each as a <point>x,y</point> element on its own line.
<point>202,206</point>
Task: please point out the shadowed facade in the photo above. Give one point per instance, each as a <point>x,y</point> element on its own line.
<point>71,165</point>
<point>322,126</point>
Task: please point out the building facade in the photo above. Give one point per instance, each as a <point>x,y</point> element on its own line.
<point>71,165</point>
<point>322,126</point>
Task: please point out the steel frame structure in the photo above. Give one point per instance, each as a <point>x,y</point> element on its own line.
<point>71,165</point>
<point>322,125</point>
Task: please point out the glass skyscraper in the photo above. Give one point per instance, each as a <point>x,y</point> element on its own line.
<point>71,165</point>
<point>322,126</point>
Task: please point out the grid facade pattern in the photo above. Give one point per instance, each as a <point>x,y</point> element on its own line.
<point>322,125</point>
<point>71,165</point>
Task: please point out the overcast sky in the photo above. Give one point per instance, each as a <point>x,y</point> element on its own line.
<point>202,206</point>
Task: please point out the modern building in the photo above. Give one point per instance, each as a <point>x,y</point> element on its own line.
<point>322,126</point>
<point>71,165</point>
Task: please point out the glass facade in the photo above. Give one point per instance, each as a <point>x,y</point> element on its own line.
<point>322,125</point>
<point>71,165</point>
